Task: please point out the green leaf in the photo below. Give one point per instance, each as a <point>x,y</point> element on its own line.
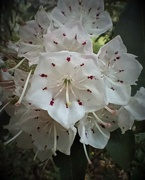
<point>121,148</point>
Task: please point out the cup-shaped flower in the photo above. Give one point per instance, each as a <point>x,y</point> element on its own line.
<point>119,69</point>
<point>46,133</point>
<point>22,139</point>
<point>70,37</point>
<point>90,13</point>
<point>67,85</point>
<point>92,131</point>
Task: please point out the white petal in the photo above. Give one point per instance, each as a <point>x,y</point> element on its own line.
<point>29,31</point>
<point>71,38</point>
<point>128,69</point>
<point>85,12</point>
<point>125,120</point>
<point>20,77</point>
<point>30,52</point>
<point>136,105</point>
<point>42,18</point>
<point>117,94</point>
<point>113,46</point>
<point>90,134</point>
<point>65,139</point>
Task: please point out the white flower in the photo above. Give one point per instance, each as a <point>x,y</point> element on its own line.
<point>90,13</point>
<point>31,36</point>
<point>119,69</point>
<point>71,38</point>
<point>91,133</point>
<point>94,129</point>
<point>45,133</point>
<point>67,85</point>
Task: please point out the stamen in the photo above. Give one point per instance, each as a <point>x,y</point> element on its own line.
<point>85,150</point>
<point>110,110</point>
<point>4,106</point>
<point>100,129</point>
<point>24,90</point>
<point>67,94</point>
<point>35,156</point>
<point>100,121</point>
<point>55,141</point>
<point>10,140</point>
<point>15,67</point>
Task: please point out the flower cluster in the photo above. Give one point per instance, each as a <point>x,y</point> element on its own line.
<point>71,90</point>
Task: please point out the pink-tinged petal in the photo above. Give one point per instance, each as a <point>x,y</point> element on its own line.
<point>116,93</point>
<point>92,134</point>
<point>136,105</point>
<point>42,19</point>
<point>125,120</point>
<point>71,38</point>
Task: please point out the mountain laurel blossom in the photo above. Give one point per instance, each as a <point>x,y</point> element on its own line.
<point>69,89</point>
